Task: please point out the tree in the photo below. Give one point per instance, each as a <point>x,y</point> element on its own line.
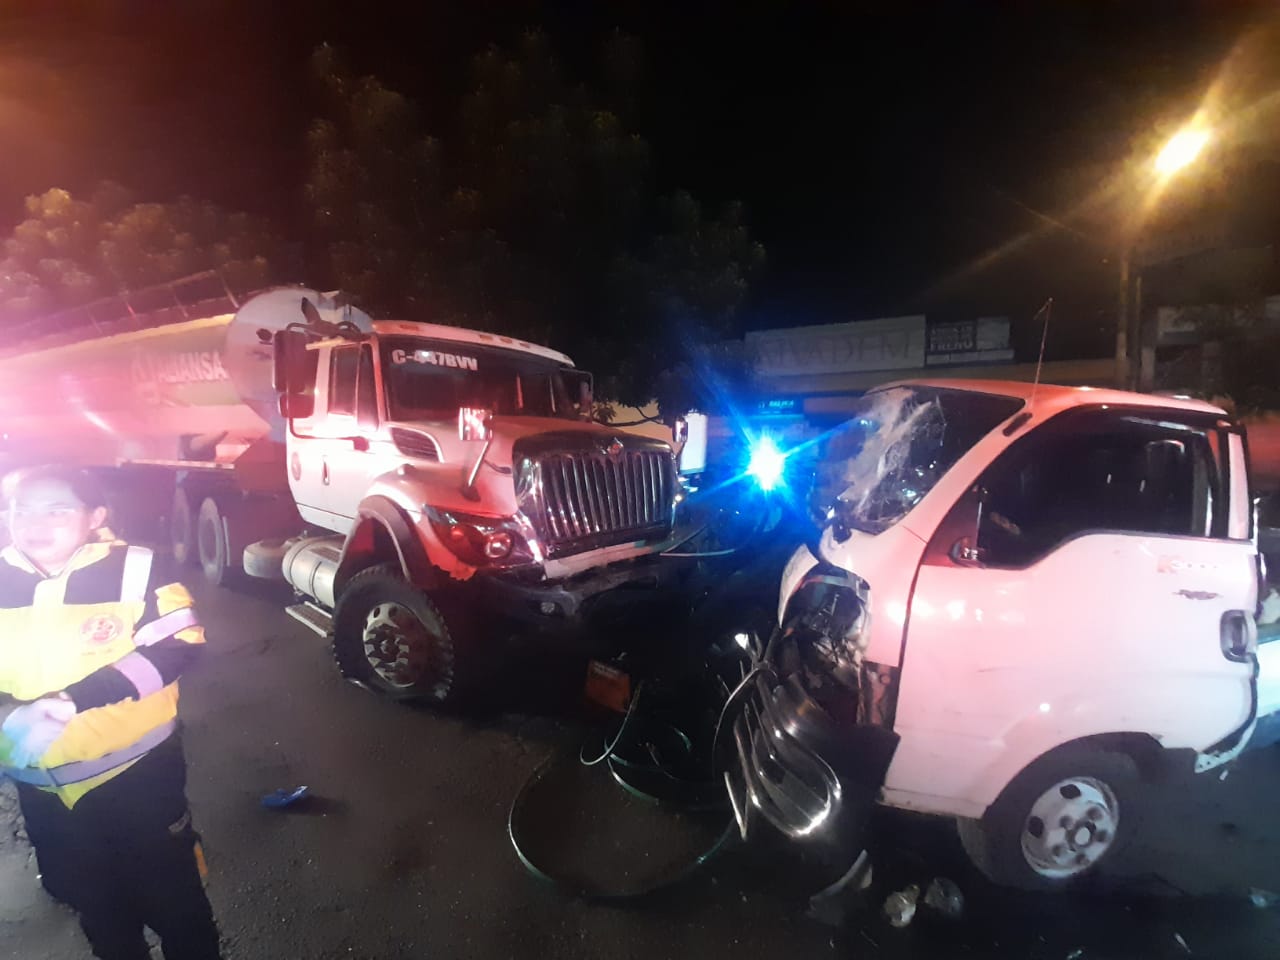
<point>535,215</point>
<point>70,251</point>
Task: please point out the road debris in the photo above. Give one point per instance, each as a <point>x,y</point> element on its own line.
<point>830,904</point>
<point>945,897</point>
<point>1263,898</point>
<point>1075,954</point>
<point>284,797</point>
<point>900,907</point>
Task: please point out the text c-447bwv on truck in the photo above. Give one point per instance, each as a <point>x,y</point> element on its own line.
<point>401,476</point>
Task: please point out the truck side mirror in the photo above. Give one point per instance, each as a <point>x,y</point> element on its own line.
<point>296,406</point>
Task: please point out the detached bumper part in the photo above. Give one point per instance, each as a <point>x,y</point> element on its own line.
<point>784,780</point>
<point>811,779</point>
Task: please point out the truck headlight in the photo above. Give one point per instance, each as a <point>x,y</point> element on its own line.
<point>498,545</point>
<point>481,541</point>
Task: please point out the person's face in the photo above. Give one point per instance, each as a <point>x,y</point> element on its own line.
<point>48,523</point>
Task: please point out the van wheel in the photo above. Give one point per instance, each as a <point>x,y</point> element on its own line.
<point>390,636</point>
<point>1058,821</point>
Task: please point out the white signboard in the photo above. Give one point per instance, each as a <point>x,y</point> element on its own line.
<point>896,343</point>
<point>985,340</point>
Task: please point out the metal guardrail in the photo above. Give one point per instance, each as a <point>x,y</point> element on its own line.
<point>204,294</point>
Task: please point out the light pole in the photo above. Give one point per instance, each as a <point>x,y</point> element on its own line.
<point>1179,152</point>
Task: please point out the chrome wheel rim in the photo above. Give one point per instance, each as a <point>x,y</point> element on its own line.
<point>1070,827</point>
<point>398,645</point>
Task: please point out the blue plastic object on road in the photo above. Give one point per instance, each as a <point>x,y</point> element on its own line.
<point>284,798</point>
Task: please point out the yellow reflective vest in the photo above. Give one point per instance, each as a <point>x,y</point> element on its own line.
<point>94,616</point>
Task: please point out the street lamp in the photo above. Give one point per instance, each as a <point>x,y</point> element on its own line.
<point>1179,152</point>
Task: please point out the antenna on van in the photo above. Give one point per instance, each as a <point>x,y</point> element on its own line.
<point>1047,310</point>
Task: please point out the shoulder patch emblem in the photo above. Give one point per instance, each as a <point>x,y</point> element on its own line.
<point>101,629</point>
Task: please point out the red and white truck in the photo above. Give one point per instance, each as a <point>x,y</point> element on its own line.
<point>402,477</point>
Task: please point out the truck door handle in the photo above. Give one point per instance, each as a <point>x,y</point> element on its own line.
<point>324,473</point>
<point>1239,635</point>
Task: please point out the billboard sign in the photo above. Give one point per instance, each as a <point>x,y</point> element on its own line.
<point>896,343</point>
<point>984,340</point>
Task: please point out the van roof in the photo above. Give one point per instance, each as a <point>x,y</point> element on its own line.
<point>1059,397</point>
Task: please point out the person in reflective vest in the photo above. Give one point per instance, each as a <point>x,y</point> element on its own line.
<point>92,643</point>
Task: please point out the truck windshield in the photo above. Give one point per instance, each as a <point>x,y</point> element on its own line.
<point>432,379</point>
<point>898,444</point>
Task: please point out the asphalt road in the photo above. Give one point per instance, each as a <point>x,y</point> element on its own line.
<point>403,852</point>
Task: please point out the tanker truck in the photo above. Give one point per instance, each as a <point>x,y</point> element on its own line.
<point>407,479</point>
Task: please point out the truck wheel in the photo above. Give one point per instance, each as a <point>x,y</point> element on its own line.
<point>212,547</point>
<point>392,637</point>
<point>181,529</point>
<point>1058,821</point>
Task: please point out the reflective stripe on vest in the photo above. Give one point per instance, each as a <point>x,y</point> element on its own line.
<point>164,627</point>
<point>82,770</point>
<point>137,574</point>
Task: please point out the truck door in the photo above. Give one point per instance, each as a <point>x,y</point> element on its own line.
<point>1099,578</point>
<point>356,454</point>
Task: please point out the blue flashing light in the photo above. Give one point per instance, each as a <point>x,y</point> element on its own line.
<point>767,463</point>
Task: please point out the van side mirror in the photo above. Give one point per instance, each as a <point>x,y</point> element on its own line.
<point>967,553</point>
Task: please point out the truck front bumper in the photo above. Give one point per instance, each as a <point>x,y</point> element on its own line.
<point>571,605</point>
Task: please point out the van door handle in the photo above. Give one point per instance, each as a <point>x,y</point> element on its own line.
<point>324,472</point>
<point>1239,635</point>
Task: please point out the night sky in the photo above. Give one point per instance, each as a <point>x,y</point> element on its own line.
<point>878,147</point>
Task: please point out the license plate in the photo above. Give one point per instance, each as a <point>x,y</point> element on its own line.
<point>608,686</point>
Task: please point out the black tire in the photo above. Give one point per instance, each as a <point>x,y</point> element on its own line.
<point>995,843</point>
<point>212,548</point>
<point>182,536</point>
<point>440,642</point>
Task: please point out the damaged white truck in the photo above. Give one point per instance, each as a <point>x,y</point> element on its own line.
<point>1023,602</point>
<point>407,479</point>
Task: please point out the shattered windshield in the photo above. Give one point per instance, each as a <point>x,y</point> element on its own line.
<point>431,380</point>
<point>881,462</point>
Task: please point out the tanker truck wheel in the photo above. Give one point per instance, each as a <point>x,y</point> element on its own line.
<point>182,531</point>
<point>389,636</point>
<point>213,549</point>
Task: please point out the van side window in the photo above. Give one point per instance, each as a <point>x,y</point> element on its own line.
<point>1099,471</point>
<point>343,364</point>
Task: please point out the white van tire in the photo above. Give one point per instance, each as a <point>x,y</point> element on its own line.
<point>1058,821</point>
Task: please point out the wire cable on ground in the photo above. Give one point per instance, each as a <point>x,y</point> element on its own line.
<point>629,772</point>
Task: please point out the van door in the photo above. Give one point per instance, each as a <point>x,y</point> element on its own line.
<point>1095,580</point>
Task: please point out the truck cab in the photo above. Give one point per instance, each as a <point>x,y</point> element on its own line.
<point>1022,600</point>
<point>448,473</point>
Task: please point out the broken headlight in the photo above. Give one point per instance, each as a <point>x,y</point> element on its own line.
<point>825,635</point>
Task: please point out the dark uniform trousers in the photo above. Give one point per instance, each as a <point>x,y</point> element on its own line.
<point>126,856</point>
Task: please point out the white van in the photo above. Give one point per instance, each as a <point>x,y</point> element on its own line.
<point>1023,601</point>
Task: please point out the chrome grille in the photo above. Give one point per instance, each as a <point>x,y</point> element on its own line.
<point>588,499</point>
